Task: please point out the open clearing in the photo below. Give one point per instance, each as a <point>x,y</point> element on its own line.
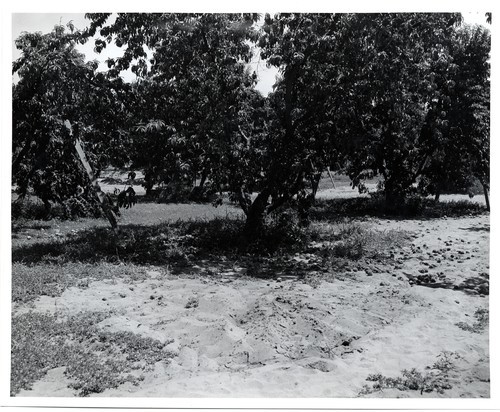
<point>228,327</point>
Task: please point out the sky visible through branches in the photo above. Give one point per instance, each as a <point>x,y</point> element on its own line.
<point>45,22</point>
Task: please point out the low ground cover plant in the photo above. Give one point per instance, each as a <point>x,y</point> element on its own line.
<point>95,360</point>
<point>30,281</point>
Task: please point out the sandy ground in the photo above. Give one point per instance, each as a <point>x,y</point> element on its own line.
<point>247,337</point>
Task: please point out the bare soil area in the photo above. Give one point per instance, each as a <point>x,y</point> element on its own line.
<point>412,326</point>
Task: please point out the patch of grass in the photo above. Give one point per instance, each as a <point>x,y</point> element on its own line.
<point>94,359</point>
<point>131,244</point>
<point>414,208</point>
<point>437,378</point>
<point>32,281</point>
<point>152,213</point>
<point>482,321</point>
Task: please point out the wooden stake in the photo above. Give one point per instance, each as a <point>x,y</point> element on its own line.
<point>95,185</point>
<point>331,177</point>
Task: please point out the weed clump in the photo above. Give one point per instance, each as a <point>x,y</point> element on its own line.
<point>482,321</point>
<point>437,378</point>
<point>353,241</point>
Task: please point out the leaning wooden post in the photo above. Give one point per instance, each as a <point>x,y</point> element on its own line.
<point>95,185</point>
<point>331,177</point>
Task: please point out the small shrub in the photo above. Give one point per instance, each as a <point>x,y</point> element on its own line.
<point>32,208</point>
<point>29,208</point>
<point>76,207</point>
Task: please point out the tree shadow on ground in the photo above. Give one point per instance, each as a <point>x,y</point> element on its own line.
<point>285,249</point>
<point>474,285</point>
<point>413,208</point>
<point>176,243</point>
<point>29,225</point>
<point>485,228</point>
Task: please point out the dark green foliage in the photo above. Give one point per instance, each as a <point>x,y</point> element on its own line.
<point>32,208</point>
<point>196,106</point>
<point>28,208</point>
<point>400,95</point>
<point>181,191</point>
<point>460,154</point>
<point>57,85</point>
<point>41,342</point>
<point>393,87</point>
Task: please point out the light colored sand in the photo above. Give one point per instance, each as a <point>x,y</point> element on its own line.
<point>257,338</point>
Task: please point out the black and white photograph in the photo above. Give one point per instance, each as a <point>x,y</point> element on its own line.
<point>249,205</point>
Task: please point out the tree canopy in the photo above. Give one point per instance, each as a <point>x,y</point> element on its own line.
<point>400,95</point>
<point>55,85</point>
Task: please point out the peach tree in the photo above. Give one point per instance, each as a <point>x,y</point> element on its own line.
<point>56,84</point>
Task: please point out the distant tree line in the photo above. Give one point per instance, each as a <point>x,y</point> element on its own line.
<point>403,96</point>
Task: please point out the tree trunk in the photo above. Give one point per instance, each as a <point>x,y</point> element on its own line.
<point>203,179</point>
<point>148,184</point>
<point>256,214</point>
<point>393,199</point>
<point>48,208</point>
<point>315,184</point>
<point>486,196</point>
<point>304,206</point>
<point>436,197</point>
